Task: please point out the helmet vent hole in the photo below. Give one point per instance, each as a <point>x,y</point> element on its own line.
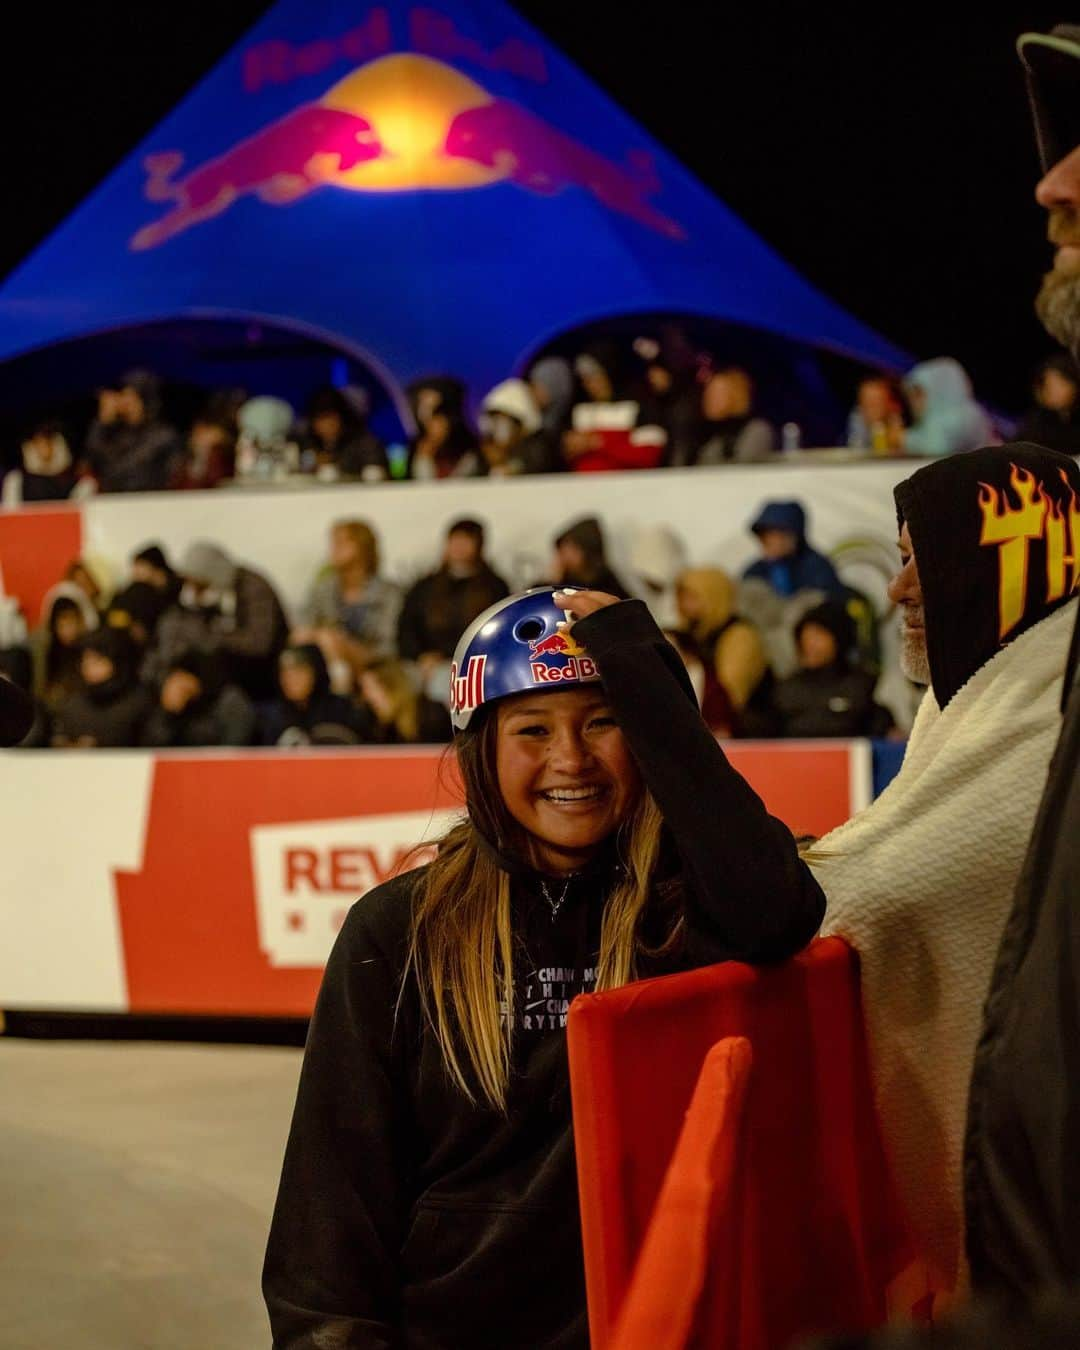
<point>528,630</point>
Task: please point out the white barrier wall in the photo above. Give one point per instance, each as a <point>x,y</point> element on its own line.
<point>282,531</point>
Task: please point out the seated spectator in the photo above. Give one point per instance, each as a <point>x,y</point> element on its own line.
<point>351,612</point>
<point>59,652</point>
<point>1054,421</point>
<point>394,712</point>
<point>444,445</point>
<point>209,456</point>
<point>440,606</point>
<point>656,557</point>
<point>225,608</point>
<point>137,610</point>
<point>728,432</point>
<point>877,420</point>
<point>109,706</point>
<point>47,473</point>
<point>512,439</point>
<point>150,564</point>
<point>266,446</point>
<point>552,383</point>
<point>15,658</point>
<point>830,695</point>
<point>945,417</point>
<point>581,559</point>
<point>81,585</point>
<point>670,396</point>
<point>306,712</point>
<point>197,706</point>
<point>338,441</point>
<point>788,563</point>
<point>608,429</point>
<point>725,643</point>
<point>713,700</point>
<point>129,448</point>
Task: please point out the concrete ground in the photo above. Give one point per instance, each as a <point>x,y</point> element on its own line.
<point>136,1185</point>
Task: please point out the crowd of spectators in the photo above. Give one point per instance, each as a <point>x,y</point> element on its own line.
<point>611,407</point>
<point>204,653</point>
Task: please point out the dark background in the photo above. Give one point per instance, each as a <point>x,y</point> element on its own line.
<point>886,153</point>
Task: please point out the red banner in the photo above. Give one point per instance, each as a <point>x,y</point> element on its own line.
<point>252,861</point>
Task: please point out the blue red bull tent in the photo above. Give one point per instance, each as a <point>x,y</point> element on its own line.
<point>423,188</point>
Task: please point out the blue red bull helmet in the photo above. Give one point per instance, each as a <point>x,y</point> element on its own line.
<point>515,646</point>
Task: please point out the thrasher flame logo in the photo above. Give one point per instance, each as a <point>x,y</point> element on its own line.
<point>1012,528</point>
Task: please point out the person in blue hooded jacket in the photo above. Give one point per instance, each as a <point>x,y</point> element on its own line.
<point>947,418</point>
<point>788,564</point>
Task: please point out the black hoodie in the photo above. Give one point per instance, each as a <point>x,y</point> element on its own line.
<point>408,1217</point>
<point>991,532</point>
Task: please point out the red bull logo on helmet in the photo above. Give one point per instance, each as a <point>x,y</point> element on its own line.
<point>573,665</point>
<point>467,689</point>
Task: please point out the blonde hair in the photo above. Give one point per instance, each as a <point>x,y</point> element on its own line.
<point>461,942</point>
<point>365,539</point>
<point>404,699</point>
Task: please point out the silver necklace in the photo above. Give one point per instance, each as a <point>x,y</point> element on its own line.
<point>555,905</point>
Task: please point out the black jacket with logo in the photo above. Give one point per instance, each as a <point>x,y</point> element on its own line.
<point>407,1216</point>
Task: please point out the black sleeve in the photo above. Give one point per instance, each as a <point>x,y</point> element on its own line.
<point>331,1275</point>
<point>749,895</point>
<point>412,628</point>
<point>161,729</point>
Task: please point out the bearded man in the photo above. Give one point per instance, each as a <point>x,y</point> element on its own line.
<point>926,956</point>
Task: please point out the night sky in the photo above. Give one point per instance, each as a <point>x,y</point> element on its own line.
<point>890,160</point>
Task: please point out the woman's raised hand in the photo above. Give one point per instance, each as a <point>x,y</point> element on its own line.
<point>580,604</point>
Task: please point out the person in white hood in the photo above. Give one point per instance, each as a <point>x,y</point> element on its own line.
<point>510,432</point>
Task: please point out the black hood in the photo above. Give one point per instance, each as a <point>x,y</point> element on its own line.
<point>994,533</point>
<point>308,654</point>
<point>208,668</point>
<point>588,534</point>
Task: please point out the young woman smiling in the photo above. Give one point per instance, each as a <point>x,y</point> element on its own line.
<point>428,1198</point>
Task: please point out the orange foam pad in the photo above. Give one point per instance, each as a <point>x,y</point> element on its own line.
<point>810,1233</point>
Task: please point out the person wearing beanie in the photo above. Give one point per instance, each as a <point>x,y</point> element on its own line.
<point>196,705</point>
<point>226,608</point>
<point>305,711</point>
<point>830,695</point>
<point>109,705</point>
<point>511,433</point>
<point>921,881</point>
<point>129,448</point>
<point>581,559</point>
<point>788,563</point>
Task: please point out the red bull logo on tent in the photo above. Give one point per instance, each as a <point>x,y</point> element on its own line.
<point>399,122</point>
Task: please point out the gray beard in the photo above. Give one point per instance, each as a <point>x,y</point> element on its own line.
<point>1058,307</point>
<point>914,661</point>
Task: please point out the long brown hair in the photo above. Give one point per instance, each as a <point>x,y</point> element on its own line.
<point>461,947</point>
